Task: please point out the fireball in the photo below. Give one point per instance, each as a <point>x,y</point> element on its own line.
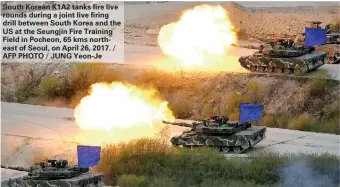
<point>124,112</point>
<point>201,36</point>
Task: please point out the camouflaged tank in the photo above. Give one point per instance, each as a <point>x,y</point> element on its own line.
<point>331,47</point>
<point>218,132</point>
<point>333,51</point>
<point>284,58</point>
<point>55,173</point>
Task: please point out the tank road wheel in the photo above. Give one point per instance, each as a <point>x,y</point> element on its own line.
<point>280,70</point>
<point>297,72</point>
<point>261,68</point>
<point>237,149</point>
<point>287,71</point>
<point>218,149</point>
<point>252,68</point>
<point>225,150</point>
<point>330,60</point>
<point>245,145</point>
<point>270,69</point>
<point>300,69</point>
<point>188,146</point>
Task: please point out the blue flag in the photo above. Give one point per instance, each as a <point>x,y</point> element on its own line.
<point>250,112</point>
<point>315,36</point>
<point>88,156</point>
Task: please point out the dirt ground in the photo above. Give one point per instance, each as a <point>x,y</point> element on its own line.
<point>252,23</point>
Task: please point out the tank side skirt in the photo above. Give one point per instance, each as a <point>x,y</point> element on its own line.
<point>302,64</point>
<point>71,182</point>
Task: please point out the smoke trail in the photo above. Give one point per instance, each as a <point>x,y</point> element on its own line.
<point>298,173</point>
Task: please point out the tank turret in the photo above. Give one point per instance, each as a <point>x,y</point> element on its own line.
<point>51,170</point>
<point>220,133</point>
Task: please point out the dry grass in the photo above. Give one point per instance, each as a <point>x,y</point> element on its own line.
<point>82,76</point>
<point>132,181</point>
<point>126,158</point>
<point>268,121</point>
<point>335,25</point>
<point>50,87</point>
<point>233,103</point>
<point>165,83</point>
<point>317,87</point>
<point>181,108</point>
<point>194,96</point>
<point>155,162</point>
<point>300,123</point>
<point>255,92</point>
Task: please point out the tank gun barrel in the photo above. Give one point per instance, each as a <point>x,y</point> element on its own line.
<point>178,124</point>
<point>16,168</point>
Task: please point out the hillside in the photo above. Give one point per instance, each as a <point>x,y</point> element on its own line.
<point>296,103</point>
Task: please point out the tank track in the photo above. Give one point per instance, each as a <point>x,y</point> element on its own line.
<point>285,65</point>
<point>230,149</point>
<point>274,70</point>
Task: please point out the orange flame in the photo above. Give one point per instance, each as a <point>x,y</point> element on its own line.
<point>200,38</point>
<point>124,111</point>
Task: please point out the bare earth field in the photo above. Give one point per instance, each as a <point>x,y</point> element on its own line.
<point>255,21</point>
<point>143,22</point>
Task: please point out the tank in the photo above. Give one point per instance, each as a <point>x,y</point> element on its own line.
<point>284,58</point>
<point>333,38</point>
<point>55,173</point>
<point>218,132</point>
<point>333,51</point>
<point>331,47</point>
